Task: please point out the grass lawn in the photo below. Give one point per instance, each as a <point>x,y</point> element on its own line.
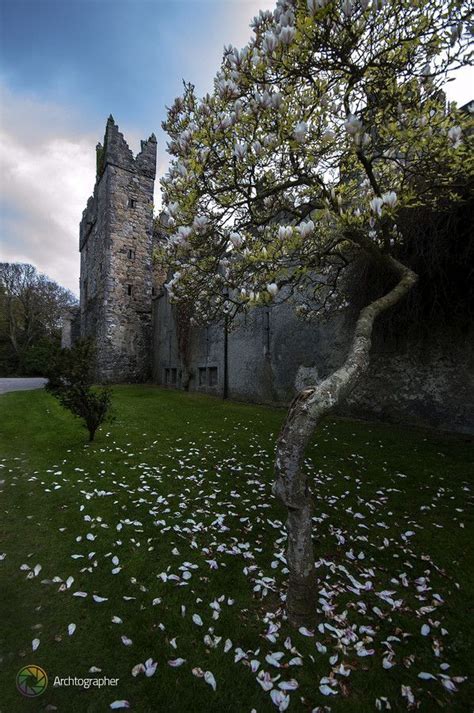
<point>169,520</point>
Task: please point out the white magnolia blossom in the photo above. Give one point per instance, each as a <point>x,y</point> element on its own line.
<point>284,13</point>
<point>257,148</point>
<point>286,35</point>
<point>285,231</point>
<point>376,205</point>
<point>390,199</point>
<point>173,209</point>
<point>264,99</point>
<point>224,122</point>
<point>306,228</point>
<point>269,140</point>
<point>352,125</point>
<point>236,239</point>
<point>169,285</point>
<point>226,88</point>
<point>455,136</point>
<point>240,150</point>
<point>200,222</point>
<point>272,289</point>
<point>300,131</point>
<point>184,231</point>
<point>270,42</point>
<point>259,19</point>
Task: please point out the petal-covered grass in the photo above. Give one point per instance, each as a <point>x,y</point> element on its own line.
<point>156,555</point>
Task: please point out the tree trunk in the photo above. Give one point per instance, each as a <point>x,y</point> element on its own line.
<point>185,376</point>
<point>305,412</point>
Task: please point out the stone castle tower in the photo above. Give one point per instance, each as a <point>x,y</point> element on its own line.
<point>116,244</point>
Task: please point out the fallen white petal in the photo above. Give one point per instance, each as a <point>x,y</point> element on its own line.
<point>326,691</point>
<point>98,599</point>
<point>209,678</point>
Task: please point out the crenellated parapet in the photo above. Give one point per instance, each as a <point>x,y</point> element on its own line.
<point>115,151</point>
<point>145,161</point>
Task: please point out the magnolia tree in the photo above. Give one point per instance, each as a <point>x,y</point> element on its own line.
<point>319,137</point>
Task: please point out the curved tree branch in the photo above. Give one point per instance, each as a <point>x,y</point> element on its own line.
<point>305,412</point>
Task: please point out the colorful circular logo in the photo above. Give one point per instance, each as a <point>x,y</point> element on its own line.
<point>31,681</point>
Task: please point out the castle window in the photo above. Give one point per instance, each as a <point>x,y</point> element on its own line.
<point>131,254</point>
<point>171,377</point>
<point>133,203</point>
<point>153,292</point>
<point>212,376</point>
<point>129,289</point>
<point>202,376</point>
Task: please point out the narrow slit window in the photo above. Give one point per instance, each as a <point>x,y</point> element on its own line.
<point>131,254</point>
<point>133,202</point>
<point>129,290</point>
<point>202,376</point>
<point>212,376</point>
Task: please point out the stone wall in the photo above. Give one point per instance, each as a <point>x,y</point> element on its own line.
<point>116,235</point>
<point>428,385</point>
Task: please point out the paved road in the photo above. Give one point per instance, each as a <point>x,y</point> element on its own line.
<point>20,384</point>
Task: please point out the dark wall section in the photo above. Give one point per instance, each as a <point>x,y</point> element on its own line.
<point>270,350</point>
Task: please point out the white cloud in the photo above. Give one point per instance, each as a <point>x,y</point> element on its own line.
<point>46,177</point>
<point>47,174</point>
<point>237,30</point>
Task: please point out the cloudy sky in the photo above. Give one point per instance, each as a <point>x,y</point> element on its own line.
<point>65,65</point>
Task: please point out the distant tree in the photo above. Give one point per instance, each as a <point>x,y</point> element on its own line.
<point>321,136</point>
<point>70,381</point>
<point>31,308</point>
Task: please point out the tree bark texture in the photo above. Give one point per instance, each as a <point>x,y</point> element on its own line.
<point>305,412</point>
